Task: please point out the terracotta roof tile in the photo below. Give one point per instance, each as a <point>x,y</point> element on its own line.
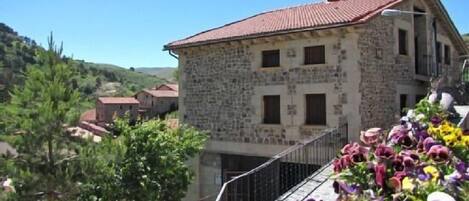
<point>118,100</point>
<point>162,93</point>
<point>173,87</point>
<point>310,16</point>
<point>89,116</point>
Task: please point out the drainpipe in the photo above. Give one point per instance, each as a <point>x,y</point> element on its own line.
<point>172,54</point>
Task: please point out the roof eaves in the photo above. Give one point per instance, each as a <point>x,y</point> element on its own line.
<point>259,35</point>
<point>358,20</point>
<point>462,44</point>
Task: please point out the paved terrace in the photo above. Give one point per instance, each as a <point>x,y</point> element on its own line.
<point>317,187</point>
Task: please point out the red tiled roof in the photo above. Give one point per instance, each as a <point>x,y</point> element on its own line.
<point>118,100</point>
<point>162,93</point>
<point>89,116</point>
<point>305,17</point>
<point>173,87</point>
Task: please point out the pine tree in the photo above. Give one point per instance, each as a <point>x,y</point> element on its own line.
<point>37,115</point>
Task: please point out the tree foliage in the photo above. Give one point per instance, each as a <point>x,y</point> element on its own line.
<point>147,162</point>
<point>37,115</point>
<point>17,52</point>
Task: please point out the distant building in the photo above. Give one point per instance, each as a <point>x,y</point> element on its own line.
<point>158,101</point>
<point>107,107</point>
<point>89,116</point>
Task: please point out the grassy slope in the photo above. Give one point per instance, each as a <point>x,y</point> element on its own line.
<point>92,80</point>
<point>139,80</point>
<point>162,72</point>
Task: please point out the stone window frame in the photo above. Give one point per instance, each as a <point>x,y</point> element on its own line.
<point>332,99</point>
<point>258,105</point>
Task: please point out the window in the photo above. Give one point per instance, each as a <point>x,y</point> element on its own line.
<point>403,42</point>
<point>130,107</point>
<point>120,107</point>
<point>270,58</point>
<point>316,109</point>
<point>403,103</point>
<point>271,109</point>
<point>315,55</point>
<point>438,52</point>
<point>447,55</point>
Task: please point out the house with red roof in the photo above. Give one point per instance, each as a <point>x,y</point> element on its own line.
<point>107,108</point>
<point>158,101</point>
<point>264,83</point>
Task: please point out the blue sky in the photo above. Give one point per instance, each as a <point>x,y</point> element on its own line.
<point>132,33</point>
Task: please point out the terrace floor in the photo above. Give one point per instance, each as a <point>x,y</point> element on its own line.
<point>318,187</point>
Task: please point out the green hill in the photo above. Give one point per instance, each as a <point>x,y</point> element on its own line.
<point>162,72</point>
<point>91,79</point>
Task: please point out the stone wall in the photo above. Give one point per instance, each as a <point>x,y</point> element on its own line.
<point>105,113</point>
<point>222,88</point>
<point>385,74</point>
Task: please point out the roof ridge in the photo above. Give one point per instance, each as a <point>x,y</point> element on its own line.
<point>291,18</point>
<point>250,17</point>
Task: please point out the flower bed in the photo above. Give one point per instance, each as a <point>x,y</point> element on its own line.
<point>423,158</point>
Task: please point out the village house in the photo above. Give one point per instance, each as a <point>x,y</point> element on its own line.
<point>158,101</point>
<point>107,108</point>
<point>264,83</point>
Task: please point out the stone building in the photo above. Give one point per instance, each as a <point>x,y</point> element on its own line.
<point>109,107</point>
<point>158,101</point>
<point>263,83</point>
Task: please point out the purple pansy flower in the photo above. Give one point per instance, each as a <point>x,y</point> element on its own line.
<point>384,152</point>
<point>372,136</point>
<point>380,174</point>
<point>463,169</point>
<point>436,120</point>
<point>343,187</point>
<point>439,153</point>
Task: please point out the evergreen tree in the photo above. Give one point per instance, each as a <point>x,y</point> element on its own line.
<point>37,115</point>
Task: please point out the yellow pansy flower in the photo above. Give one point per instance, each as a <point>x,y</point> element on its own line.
<point>465,140</point>
<point>433,171</point>
<point>408,184</point>
<point>450,140</point>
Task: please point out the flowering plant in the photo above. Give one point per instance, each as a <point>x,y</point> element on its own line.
<point>425,157</point>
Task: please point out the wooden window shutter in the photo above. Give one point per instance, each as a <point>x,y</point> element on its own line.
<point>315,55</point>
<point>271,109</point>
<point>403,42</point>
<point>316,109</point>
<point>270,58</point>
<point>447,55</point>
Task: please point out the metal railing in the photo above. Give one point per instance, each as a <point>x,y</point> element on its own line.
<point>465,71</point>
<point>284,171</point>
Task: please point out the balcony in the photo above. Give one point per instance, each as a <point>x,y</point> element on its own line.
<point>423,69</point>
<point>283,172</point>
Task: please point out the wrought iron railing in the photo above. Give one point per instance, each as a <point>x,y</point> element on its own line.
<point>285,170</point>
<point>465,71</point>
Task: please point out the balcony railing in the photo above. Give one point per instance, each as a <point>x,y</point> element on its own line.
<point>465,71</point>
<point>285,170</point>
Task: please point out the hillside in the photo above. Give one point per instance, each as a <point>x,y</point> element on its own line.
<point>466,38</point>
<point>162,72</point>
<point>92,80</point>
